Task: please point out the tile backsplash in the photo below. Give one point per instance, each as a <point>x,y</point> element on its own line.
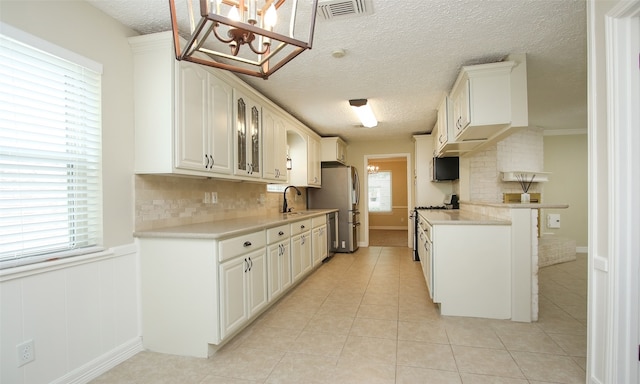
<point>520,151</point>
<point>166,201</point>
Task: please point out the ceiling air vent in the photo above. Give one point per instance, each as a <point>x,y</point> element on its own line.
<point>338,8</point>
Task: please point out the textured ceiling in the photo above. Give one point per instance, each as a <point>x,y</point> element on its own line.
<point>405,56</point>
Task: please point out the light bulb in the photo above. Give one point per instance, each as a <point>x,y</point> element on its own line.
<point>233,14</point>
<point>270,17</point>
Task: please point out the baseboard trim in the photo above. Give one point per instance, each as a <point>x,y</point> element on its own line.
<point>102,364</point>
<point>582,249</point>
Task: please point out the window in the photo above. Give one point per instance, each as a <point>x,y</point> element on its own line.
<point>50,151</point>
<point>380,191</point>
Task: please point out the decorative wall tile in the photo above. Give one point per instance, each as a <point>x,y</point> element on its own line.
<point>166,201</point>
<point>520,151</point>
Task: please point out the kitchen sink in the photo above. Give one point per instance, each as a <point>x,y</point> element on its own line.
<point>297,213</point>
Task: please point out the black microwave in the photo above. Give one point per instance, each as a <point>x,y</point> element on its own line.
<point>446,168</point>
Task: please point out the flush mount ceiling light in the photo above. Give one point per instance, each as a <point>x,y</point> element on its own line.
<point>364,112</point>
<point>255,37</point>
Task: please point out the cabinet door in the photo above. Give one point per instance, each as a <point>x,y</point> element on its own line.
<point>306,261</point>
<point>257,288</point>
<point>285,266</point>
<point>274,148</point>
<point>220,126</point>
<point>279,264</point>
<point>313,162</point>
<point>234,309</point>
<point>192,110</point>
<point>428,270</point>
<point>319,244</point>
<point>341,151</point>
<point>461,106</point>
<point>247,137</point>
<point>442,126</point>
<point>274,253</point>
<point>300,255</point>
<point>296,257</point>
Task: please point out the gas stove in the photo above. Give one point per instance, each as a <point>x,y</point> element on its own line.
<point>433,207</point>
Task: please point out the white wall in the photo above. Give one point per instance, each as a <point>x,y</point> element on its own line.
<point>80,316</point>
<point>566,158</point>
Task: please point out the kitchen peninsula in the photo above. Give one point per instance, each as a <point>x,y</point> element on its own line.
<point>524,250</point>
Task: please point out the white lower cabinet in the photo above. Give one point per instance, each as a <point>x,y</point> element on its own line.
<point>468,268</point>
<point>301,262</point>
<point>279,260</point>
<point>243,291</point>
<point>319,239</point>
<point>197,292</point>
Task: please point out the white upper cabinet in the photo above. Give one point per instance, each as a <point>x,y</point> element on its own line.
<point>199,121</point>
<point>334,149</point>
<point>486,102</point>
<point>204,110</point>
<point>274,146</point>
<point>314,175</point>
<point>482,100</point>
<point>182,113</point>
<point>247,136</point>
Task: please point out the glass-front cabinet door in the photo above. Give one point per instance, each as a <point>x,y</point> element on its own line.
<point>248,129</point>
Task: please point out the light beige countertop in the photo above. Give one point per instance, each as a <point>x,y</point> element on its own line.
<point>232,227</point>
<point>518,205</point>
<point>459,217</point>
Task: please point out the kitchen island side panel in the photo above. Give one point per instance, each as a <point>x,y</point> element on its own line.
<point>472,270</point>
<point>179,290</point>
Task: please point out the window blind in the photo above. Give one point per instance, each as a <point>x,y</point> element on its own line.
<point>50,155</point>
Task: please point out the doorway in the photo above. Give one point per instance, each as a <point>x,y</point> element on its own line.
<point>387,199</point>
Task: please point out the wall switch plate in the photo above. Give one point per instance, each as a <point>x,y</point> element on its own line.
<point>214,197</point>
<point>207,198</point>
<point>26,352</point>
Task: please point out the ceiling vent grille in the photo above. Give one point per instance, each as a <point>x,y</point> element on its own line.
<point>339,8</point>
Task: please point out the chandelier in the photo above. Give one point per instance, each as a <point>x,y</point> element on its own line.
<point>244,36</point>
<point>371,169</point>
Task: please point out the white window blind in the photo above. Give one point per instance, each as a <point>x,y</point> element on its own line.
<point>50,154</point>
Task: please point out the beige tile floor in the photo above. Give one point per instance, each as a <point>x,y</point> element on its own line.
<point>366,318</point>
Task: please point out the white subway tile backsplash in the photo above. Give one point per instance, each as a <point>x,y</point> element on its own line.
<point>521,151</point>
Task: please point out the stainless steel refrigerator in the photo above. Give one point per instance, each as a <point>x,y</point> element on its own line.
<point>341,190</point>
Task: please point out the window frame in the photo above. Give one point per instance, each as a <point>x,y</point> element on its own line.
<point>84,64</point>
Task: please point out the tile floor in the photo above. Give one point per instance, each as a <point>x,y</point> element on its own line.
<point>365,318</point>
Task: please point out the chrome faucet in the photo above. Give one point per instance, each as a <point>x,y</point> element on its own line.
<point>284,205</point>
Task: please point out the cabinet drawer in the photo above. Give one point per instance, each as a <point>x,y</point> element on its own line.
<point>424,226</point>
<point>237,246</point>
<point>278,233</point>
<point>300,226</point>
<point>318,221</point>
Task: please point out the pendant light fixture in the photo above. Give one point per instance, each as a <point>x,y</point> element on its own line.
<point>364,112</point>
<point>251,37</point>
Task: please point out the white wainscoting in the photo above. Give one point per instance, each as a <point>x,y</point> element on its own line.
<point>82,314</point>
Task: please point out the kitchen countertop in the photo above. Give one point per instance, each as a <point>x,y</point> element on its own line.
<point>458,217</point>
<point>232,227</point>
<point>518,205</point>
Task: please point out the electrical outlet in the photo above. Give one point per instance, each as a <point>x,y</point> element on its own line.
<point>26,352</point>
<point>214,197</point>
